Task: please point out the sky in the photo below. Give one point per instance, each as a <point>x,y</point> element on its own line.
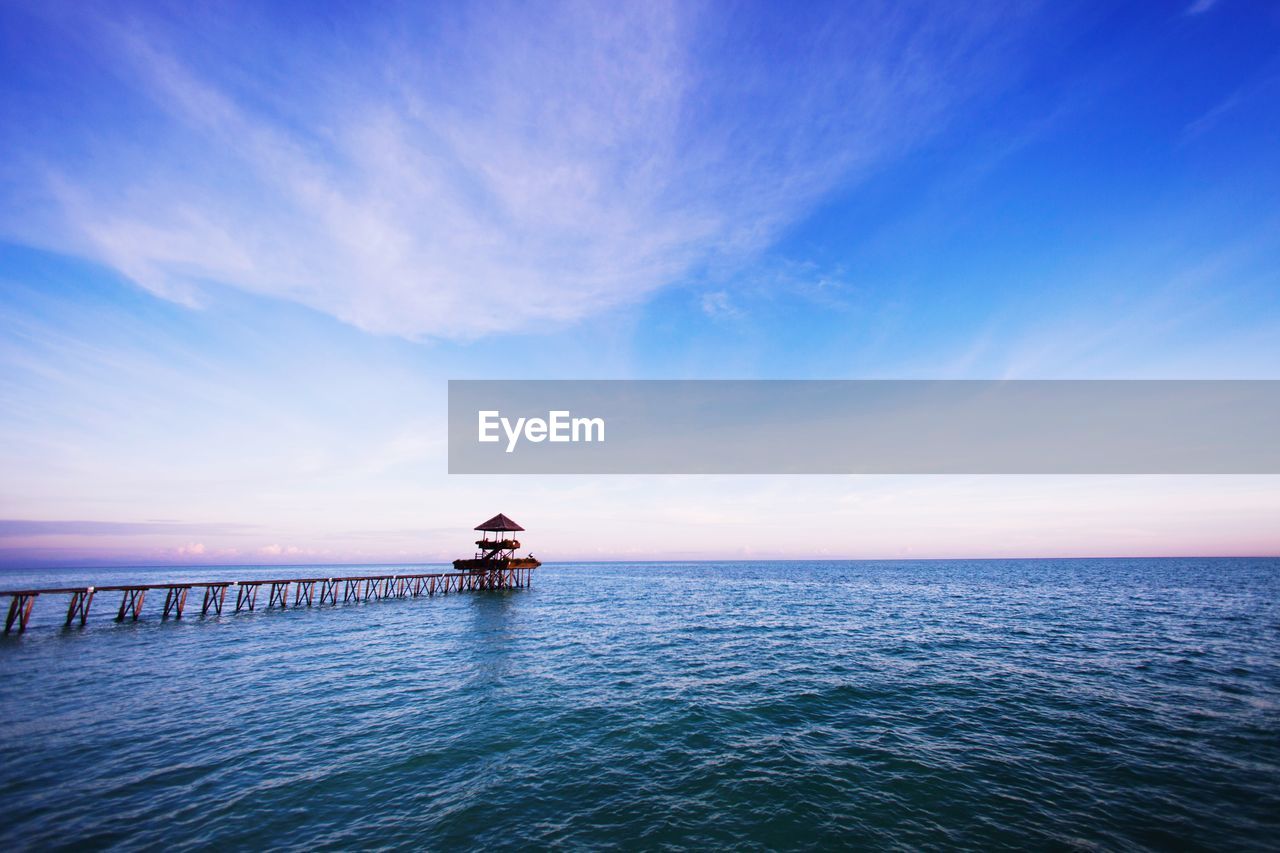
<point>243,247</point>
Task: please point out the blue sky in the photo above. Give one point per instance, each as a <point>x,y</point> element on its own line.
<point>242,247</point>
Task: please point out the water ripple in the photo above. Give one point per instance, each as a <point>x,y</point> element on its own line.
<point>995,705</point>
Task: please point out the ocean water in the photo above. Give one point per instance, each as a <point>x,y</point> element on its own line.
<point>984,704</point>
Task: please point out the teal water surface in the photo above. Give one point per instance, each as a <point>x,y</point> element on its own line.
<point>982,704</point>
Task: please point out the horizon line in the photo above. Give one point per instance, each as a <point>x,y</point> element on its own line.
<point>700,560</point>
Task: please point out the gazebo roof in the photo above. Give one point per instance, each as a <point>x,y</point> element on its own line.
<point>499,523</point>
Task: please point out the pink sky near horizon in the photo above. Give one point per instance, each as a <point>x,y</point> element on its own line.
<point>704,518</point>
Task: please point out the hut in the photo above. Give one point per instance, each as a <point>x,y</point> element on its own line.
<point>496,548</point>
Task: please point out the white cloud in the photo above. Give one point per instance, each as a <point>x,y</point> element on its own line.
<point>517,169</point>
<point>717,304</point>
<point>1199,7</point>
<point>286,551</point>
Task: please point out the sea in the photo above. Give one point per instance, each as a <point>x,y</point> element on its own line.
<point>902,705</point>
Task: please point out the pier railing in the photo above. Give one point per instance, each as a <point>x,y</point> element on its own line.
<point>307,592</point>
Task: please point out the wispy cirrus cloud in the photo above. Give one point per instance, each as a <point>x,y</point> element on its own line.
<point>1199,7</point>
<point>490,168</point>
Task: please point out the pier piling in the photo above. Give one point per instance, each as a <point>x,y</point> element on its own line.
<point>279,595</point>
<point>214,595</point>
<point>175,600</point>
<point>20,610</point>
<point>351,591</point>
<point>303,589</point>
<point>78,608</point>
<point>131,602</point>
<point>246,594</point>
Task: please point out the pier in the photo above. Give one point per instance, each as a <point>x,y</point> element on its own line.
<point>495,566</point>
<point>306,592</point>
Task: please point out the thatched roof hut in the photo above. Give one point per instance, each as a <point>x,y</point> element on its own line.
<point>500,524</point>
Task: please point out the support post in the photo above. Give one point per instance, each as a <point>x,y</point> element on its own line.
<point>279,594</point>
<point>214,595</point>
<point>175,600</point>
<point>131,603</point>
<point>20,610</point>
<point>304,589</point>
<point>79,606</point>
<point>247,595</point>
<point>328,591</point>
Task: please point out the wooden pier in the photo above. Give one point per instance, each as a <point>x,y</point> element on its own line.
<point>307,592</point>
